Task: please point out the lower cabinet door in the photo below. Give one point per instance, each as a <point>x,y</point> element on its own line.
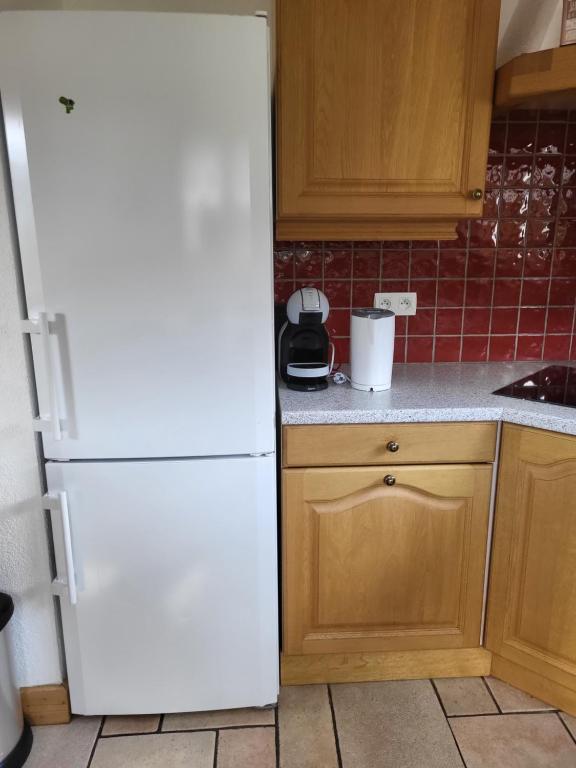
<point>384,558</point>
<point>531,621</point>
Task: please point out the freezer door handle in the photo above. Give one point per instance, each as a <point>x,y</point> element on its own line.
<point>51,421</point>
<point>58,502</point>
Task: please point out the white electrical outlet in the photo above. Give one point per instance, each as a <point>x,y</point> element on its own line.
<point>399,303</point>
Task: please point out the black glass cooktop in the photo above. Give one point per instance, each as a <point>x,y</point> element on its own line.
<point>555,384</point>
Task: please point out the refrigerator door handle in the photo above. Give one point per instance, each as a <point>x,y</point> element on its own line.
<point>51,421</point>
<point>59,502</point>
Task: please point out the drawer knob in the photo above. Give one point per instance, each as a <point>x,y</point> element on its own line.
<point>390,480</point>
<point>392,446</point>
<point>477,194</point>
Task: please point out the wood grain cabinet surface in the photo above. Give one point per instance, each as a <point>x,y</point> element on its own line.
<point>351,444</point>
<point>383,116</point>
<point>384,565</point>
<point>375,567</point>
<point>531,626</point>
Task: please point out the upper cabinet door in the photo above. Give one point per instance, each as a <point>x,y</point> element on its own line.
<point>383,115</point>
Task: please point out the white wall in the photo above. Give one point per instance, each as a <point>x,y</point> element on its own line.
<point>24,560</point>
<point>527,26</point>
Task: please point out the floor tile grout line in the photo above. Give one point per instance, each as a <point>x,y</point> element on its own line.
<point>443,708</point>
<point>572,736</point>
<point>505,714</point>
<point>334,727</point>
<point>456,743</point>
<point>490,692</point>
<point>277,734</point>
<point>216,742</point>
<point>96,740</point>
<point>106,736</point>
<point>186,730</point>
<point>433,684</point>
<point>222,728</point>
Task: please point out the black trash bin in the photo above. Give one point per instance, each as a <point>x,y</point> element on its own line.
<point>15,734</point>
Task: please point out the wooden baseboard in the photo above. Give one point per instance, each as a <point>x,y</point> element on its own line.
<point>543,688</point>
<point>46,704</point>
<point>384,665</point>
<point>50,704</point>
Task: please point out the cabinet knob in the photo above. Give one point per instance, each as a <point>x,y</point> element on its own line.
<point>392,446</point>
<point>477,194</point>
<point>390,480</point>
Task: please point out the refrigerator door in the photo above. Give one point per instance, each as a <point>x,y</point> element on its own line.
<point>144,220</point>
<point>174,564</point>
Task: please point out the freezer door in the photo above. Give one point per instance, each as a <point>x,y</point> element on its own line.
<point>144,219</point>
<point>174,564</point>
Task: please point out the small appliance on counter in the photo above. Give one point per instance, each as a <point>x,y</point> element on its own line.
<point>371,349</point>
<point>303,343</point>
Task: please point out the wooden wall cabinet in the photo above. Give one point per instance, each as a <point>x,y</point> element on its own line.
<point>531,626</point>
<point>541,80</point>
<point>383,116</point>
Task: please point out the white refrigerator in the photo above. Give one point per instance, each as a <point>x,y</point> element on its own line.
<point>139,150</point>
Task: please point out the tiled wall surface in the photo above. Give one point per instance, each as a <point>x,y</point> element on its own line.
<point>504,290</point>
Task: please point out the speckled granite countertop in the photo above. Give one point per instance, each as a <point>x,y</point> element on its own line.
<point>430,392</point>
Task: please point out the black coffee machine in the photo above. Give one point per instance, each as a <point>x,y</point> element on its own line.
<point>303,343</point>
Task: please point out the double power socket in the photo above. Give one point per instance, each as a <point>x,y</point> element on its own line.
<point>399,303</point>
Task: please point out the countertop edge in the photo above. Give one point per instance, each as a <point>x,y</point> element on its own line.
<point>551,422</point>
<point>395,416</point>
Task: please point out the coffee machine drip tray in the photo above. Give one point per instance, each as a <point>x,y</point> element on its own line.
<point>555,384</point>
<point>307,377</point>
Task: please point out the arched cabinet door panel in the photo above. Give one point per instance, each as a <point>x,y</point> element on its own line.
<point>371,567</point>
<point>531,625</point>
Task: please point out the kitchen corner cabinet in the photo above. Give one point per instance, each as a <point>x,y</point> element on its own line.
<point>383,116</point>
<point>383,565</point>
<point>531,627</point>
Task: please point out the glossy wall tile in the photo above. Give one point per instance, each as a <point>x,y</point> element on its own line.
<point>505,289</point>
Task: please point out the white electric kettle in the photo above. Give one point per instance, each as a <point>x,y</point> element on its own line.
<point>372,348</point>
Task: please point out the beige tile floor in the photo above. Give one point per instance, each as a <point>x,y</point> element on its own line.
<point>457,723</point>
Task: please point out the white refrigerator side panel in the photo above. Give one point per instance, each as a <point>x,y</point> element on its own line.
<point>145,227</point>
<point>176,580</point>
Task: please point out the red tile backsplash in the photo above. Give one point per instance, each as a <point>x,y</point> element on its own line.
<point>505,289</point>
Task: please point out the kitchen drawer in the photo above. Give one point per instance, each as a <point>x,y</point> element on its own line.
<point>349,444</point>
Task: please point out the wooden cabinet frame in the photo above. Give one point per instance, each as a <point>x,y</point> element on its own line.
<point>531,612</point>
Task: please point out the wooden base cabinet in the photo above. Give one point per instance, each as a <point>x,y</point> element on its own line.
<point>531,627</point>
<point>384,558</point>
